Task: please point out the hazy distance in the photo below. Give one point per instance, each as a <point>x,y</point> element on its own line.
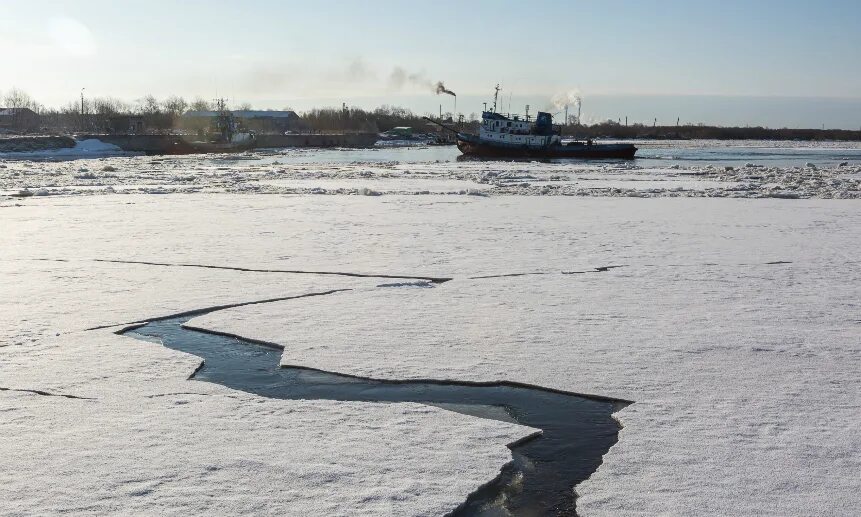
<point>777,64</point>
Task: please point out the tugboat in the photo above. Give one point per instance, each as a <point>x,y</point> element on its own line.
<point>512,136</point>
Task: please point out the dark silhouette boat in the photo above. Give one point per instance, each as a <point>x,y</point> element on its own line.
<point>513,136</point>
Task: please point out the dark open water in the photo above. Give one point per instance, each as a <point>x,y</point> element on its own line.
<point>576,431</point>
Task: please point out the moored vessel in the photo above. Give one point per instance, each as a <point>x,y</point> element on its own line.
<point>513,136</point>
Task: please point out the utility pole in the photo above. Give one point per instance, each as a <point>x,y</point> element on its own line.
<point>82,108</point>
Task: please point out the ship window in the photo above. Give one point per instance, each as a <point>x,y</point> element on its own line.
<point>509,124</point>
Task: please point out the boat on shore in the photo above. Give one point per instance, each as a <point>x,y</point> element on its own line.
<point>513,136</point>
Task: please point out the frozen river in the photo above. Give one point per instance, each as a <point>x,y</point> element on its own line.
<point>748,169</point>
<point>575,431</point>
<point>650,154</point>
<point>713,285</point>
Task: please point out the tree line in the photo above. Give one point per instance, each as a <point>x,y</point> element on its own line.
<point>612,129</point>
<point>95,113</point>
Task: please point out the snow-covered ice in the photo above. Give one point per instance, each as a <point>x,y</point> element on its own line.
<point>89,148</point>
<point>140,438</point>
<point>732,324</point>
<point>719,329</point>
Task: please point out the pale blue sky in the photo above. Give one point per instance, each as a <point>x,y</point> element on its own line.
<point>643,54</point>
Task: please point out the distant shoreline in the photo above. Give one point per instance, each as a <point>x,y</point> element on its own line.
<point>690,132</point>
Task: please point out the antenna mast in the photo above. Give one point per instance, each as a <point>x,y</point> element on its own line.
<point>495,97</point>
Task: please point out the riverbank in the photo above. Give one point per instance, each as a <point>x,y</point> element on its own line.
<point>699,132</point>
<point>27,144</point>
<point>181,144</point>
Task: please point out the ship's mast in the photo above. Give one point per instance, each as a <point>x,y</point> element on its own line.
<point>224,122</point>
<point>495,97</point>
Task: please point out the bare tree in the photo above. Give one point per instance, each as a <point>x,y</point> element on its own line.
<point>175,106</point>
<point>108,106</point>
<point>148,105</point>
<point>245,106</point>
<point>17,98</point>
<point>102,109</point>
<point>198,104</point>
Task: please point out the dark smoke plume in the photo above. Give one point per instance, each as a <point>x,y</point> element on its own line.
<point>440,88</point>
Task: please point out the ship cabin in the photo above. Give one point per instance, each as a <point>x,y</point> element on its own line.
<point>515,131</point>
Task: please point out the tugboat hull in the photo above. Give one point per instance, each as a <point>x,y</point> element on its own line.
<point>473,146</point>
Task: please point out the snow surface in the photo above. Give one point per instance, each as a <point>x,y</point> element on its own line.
<point>732,325</point>
<point>145,440</point>
<point>736,333</point>
<point>91,147</point>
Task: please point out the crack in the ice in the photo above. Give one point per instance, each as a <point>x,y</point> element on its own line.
<point>181,393</point>
<point>443,382</point>
<point>130,325</point>
<point>771,263</point>
<point>508,275</point>
<point>603,269</point>
<point>46,393</point>
<point>435,280</point>
<point>599,269</point>
<point>507,485</point>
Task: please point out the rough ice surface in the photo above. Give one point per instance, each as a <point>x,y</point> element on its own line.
<point>732,324</point>
<point>781,172</point>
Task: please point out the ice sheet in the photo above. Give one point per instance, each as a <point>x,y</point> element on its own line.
<point>98,423</point>
<point>732,325</point>
<point>736,334</point>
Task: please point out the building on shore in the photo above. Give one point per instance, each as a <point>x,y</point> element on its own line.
<point>126,124</point>
<point>262,121</point>
<point>19,119</point>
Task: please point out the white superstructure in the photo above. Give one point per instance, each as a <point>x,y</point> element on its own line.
<point>498,129</point>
